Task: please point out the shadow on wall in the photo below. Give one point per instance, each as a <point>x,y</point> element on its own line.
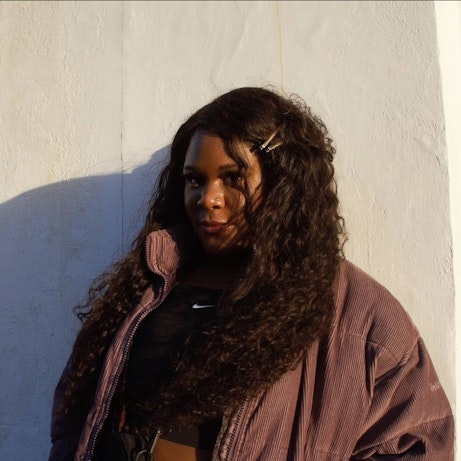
<point>54,240</point>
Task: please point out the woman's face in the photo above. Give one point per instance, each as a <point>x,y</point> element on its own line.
<point>213,195</point>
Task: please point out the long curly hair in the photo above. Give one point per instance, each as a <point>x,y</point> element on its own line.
<point>283,300</point>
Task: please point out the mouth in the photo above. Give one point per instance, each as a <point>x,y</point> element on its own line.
<point>213,227</point>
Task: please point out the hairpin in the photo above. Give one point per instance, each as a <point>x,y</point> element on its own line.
<point>265,147</point>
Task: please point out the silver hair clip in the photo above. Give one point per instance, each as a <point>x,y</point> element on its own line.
<point>265,147</point>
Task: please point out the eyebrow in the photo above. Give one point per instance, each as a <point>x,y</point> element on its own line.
<point>223,168</point>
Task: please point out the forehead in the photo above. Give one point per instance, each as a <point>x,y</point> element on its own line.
<point>208,150</point>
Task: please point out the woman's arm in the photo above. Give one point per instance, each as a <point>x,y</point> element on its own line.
<point>409,417</point>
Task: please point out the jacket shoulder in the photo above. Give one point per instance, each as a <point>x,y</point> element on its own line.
<point>367,310</point>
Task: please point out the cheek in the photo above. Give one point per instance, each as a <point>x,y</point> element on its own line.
<point>235,201</point>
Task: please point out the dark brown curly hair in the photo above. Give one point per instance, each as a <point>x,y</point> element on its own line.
<point>283,300</point>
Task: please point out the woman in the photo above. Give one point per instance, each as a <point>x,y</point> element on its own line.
<point>234,329</point>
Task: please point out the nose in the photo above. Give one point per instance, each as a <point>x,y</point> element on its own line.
<point>211,197</point>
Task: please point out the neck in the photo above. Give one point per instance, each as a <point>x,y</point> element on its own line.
<point>219,273</point>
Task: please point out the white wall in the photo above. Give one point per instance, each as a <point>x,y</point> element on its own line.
<point>91,94</point>
<point>448,16</point>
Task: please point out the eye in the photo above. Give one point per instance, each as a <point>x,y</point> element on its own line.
<point>192,179</point>
<point>233,179</point>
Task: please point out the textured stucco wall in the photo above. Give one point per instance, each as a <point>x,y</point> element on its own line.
<point>91,94</point>
<point>448,17</point>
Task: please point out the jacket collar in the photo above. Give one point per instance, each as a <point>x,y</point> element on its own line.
<point>166,251</point>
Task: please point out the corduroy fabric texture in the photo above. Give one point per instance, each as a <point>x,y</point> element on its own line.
<point>367,392</point>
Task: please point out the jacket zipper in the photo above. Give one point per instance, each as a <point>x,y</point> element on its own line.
<point>230,438</point>
<point>110,396</point>
<point>96,432</point>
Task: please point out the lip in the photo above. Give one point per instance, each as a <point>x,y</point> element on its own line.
<point>212,227</point>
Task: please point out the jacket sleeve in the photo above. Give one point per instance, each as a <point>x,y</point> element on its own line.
<point>409,416</point>
<point>64,433</point>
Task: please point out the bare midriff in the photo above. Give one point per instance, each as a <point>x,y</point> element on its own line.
<point>170,451</point>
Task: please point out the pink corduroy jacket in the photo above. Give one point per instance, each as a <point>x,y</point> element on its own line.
<point>368,392</point>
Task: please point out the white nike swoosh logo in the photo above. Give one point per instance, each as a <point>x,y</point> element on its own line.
<point>201,306</point>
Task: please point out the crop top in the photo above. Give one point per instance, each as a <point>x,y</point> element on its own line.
<point>155,346</point>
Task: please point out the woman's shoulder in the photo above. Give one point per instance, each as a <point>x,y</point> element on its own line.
<point>367,310</point>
